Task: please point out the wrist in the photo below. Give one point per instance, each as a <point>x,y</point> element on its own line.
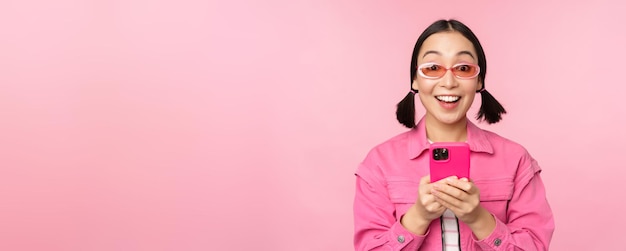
<point>413,222</point>
<point>483,224</point>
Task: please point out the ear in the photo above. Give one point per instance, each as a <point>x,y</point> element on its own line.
<point>479,87</point>
<point>414,85</point>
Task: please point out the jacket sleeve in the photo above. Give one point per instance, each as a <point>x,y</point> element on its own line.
<point>376,226</point>
<point>530,220</point>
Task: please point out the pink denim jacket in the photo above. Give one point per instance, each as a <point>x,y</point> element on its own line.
<point>506,175</point>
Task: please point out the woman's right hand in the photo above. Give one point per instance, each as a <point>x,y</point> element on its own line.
<point>426,208</point>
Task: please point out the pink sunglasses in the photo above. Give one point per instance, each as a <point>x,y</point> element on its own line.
<point>436,71</point>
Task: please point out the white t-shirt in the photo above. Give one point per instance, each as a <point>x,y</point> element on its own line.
<point>450,231</point>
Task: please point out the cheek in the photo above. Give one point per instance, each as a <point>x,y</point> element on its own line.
<point>470,99</point>
<point>423,85</point>
<point>470,91</point>
<point>471,87</point>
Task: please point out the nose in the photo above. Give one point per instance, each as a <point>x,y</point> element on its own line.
<point>448,80</point>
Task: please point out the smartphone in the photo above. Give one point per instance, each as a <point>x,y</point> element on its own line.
<point>449,159</point>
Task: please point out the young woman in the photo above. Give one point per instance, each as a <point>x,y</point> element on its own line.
<point>502,206</point>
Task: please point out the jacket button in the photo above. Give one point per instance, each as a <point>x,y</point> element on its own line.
<point>497,242</point>
<point>401,239</point>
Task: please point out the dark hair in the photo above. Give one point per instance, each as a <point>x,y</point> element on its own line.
<point>490,109</point>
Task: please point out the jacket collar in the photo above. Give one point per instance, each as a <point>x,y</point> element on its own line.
<point>476,138</point>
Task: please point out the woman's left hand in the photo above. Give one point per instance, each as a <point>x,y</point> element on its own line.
<point>462,197</point>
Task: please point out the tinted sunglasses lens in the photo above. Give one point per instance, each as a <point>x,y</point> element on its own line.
<point>465,70</point>
<point>433,71</point>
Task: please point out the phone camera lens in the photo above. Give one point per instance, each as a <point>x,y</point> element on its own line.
<point>437,154</point>
<point>440,154</point>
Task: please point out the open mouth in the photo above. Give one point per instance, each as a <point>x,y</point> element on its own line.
<point>448,99</point>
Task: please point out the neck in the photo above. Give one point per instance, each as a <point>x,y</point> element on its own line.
<point>442,132</point>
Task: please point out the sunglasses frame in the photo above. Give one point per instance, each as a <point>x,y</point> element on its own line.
<point>425,65</point>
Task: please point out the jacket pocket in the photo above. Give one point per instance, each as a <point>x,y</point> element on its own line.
<point>402,193</point>
<point>495,196</point>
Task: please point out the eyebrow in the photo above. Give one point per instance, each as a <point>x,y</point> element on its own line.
<point>458,54</point>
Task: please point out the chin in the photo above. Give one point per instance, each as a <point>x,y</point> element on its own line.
<point>451,120</point>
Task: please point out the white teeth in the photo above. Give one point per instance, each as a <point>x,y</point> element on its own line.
<point>448,99</point>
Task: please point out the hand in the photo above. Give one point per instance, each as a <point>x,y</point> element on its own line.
<point>426,208</point>
<point>462,197</point>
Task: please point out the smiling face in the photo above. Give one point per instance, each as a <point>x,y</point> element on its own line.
<point>447,99</point>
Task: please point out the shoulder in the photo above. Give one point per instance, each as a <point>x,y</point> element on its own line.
<point>504,145</point>
<point>387,153</point>
<point>510,150</point>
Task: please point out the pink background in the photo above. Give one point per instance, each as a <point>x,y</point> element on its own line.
<point>237,125</point>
